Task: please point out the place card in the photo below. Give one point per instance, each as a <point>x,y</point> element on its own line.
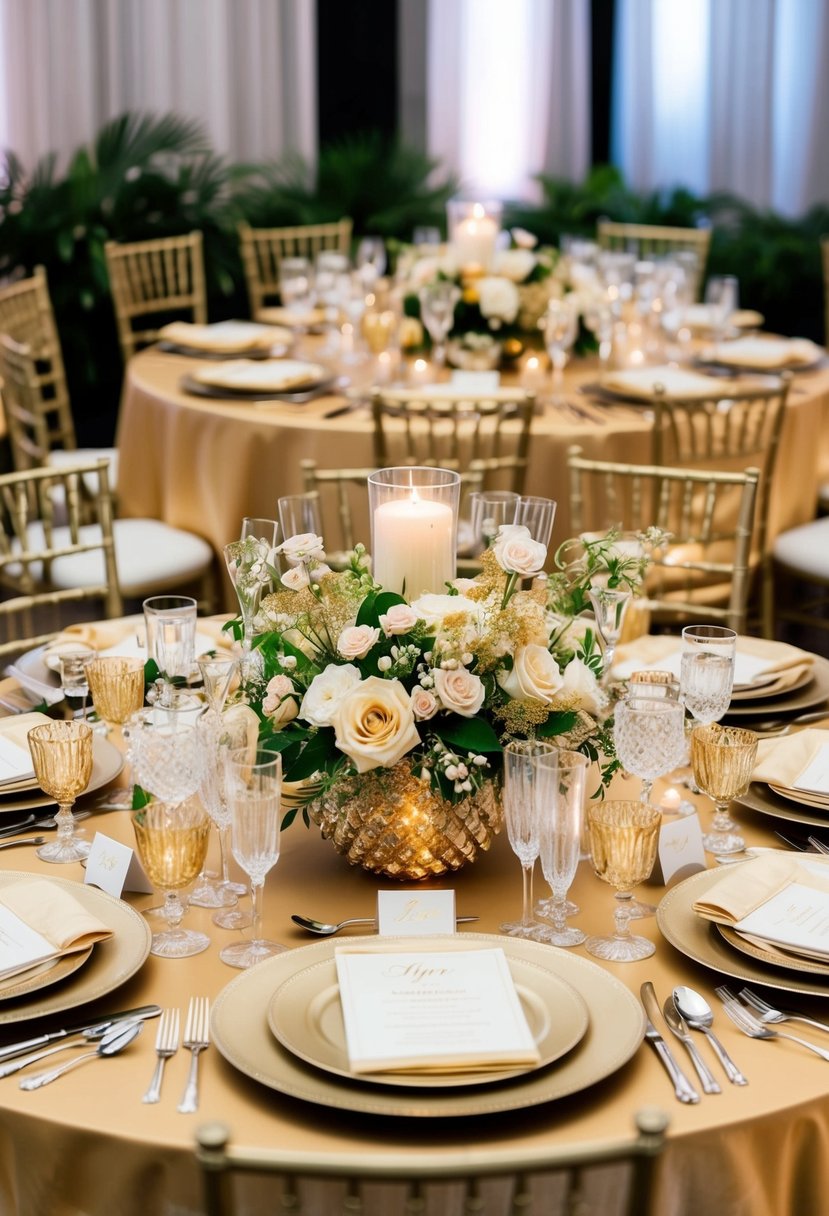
<point>15,762</point>
<point>415,913</point>
<point>814,779</point>
<point>797,917</point>
<point>431,1011</point>
<point>475,383</point>
<point>680,851</point>
<point>114,867</point>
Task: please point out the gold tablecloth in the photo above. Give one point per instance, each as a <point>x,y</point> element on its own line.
<point>203,464</point>
<point>87,1144</point>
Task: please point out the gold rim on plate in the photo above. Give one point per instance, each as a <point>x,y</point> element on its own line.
<point>305,1016</point>
<point>52,972</point>
<point>812,694</point>
<point>772,688</point>
<point>107,763</point>
<point>113,961</point>
<point>802,797</point>
<point>756,798</point>
<point>241,1033</point>
<point>755,950</point>
<point>699,940</point>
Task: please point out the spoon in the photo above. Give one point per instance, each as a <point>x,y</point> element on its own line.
<point>92,1035</point>
<point>13,844</point>
<point>112,1042</point>
<point>698,1014</point>
<point>321,929</point>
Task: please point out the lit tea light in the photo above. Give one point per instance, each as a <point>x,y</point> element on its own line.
<point>421,372</point>
<point>532,374</point>
<point>671,801</point>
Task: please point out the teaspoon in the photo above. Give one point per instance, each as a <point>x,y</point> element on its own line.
<point>321,929</point>
<point>698,1014</point>
<point>112,1042</point>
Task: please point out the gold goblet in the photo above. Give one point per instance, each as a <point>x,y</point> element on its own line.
<point>117,687</point>
<point>62,757</point>
<point>723,759</point>
<point>624,837</point>
<point>172,844</point>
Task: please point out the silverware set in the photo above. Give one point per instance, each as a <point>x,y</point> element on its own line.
<point>683,1011</point>
<point>752,1015</point>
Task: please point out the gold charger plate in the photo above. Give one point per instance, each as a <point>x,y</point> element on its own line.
<point>759,797</point>
<point>52,972</point>
<point>802,797</point>
<point>811,694</point>
<point>113,961</point>
<point>240,1030</point>
<point>738,942</point>
<point>698,939</point>
<point>107,763</point>
<point>305,1015</point>
<point>773,688</point>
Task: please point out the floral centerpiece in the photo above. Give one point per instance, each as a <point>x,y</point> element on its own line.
<point>391,716</point>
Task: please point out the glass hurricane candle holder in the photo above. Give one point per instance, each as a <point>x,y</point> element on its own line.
<point>62,758</point>
<point>414,528</point>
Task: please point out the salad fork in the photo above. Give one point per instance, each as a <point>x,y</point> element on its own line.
<point>767,1013</point>
<point>196,1040</point>
<point>744,1020</point>
<point>166,1046</point>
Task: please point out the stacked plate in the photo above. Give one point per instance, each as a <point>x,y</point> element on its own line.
<point>25,795</point>
<point>243,379</point>
<point>225,339</point>
<point>281,1024</point>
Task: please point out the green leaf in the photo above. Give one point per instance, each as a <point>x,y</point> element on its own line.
<point>140,797</point>
<point>469,734</point>
<point>557,724</point>
<point>317,754</point>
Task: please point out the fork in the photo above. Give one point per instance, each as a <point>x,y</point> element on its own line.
<point>744,1020</point>
<point>767,1013</point>
<point>166,1046</point>
<point>196,1040</point>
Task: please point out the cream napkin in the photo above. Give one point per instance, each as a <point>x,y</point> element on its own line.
<point>226,337</point>
<point>58,924</point>
<point>269,376</point>
<point>704,316</point>
<point>746,887</point>
<point>765,352</point>
<point>16,729</point>
<point>763,657</point>
<point>275,315</point>
<point>109,636</point>
<point>781,761</point>
<point>642,382</point>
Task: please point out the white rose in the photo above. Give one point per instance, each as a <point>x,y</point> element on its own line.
<point>357,640</point>
<point>326,691</point>
<point>464,584</point>
<point>400,618</point>
<point>569,632</point>
<point>460,691</point>
<point>295,579</point>
<point>424,704</point>
<point>375,724</point>
<point>517,553</point>
<point>580,682</point>
<point>304,547</point>
<point>514,264</point>
<point>433,609</point>
<point>534,675</point>
<point>498,299</point>
<point>523,238</point>
<point>279,704</point>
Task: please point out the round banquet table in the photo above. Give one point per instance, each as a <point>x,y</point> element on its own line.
<point>204,463</point>
<point>87,1144</point>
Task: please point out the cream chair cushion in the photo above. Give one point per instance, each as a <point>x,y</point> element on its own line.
<point>62,458</point>
<point>805,549</point>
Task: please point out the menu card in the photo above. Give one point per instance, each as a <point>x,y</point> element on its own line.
<point>40,921</point>
<point>15,762</point>
<point>815,777</point>
<point>797,917</point>
<point>431,1011</point>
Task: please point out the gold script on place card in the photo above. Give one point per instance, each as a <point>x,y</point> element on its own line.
<point>414,911</point>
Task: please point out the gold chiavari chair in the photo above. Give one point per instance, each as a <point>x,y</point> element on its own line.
<point>262,250</point>
<point>703,570</point>
<point>361,1183</point>
<point>455,430</point>
<point>733,429</point>
<point>656,240</point>
<point>153,282</point>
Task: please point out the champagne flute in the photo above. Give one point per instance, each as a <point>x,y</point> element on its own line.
<point>300,514</point>
<point>248,564</point>
<point>610,606</point>
<point>560,329</point>
<point>172,845</point>
<point>217,675</point>
<point>723,760</point>
<point>522,816</point>
<point>707,671</point>
<point>117,687</point>
<point>62,757</point>
<point>254,787</point>
<point>437,311</point>
<point>561,778</point>
<point>624,837</point>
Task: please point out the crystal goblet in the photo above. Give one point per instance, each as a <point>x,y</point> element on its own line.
<point>167,750</point>
<point>707,671</point>
<point>117,687</point>
<point>62,757</point>
<point>624,837</point>
<point>723,759</point>
<point>172,843</point>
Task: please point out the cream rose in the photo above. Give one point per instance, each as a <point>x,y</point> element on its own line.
<point>357,640</point>
<point>514,264</point>
<point>433,609</point>
<point>326,691</point>
<point>279,704</point>
<point>424,704</point>
<point>535,675</point>
<point>375,724</point>
<point>498,299</point>
<point>460,691</point>
<point>400,618</point>
<point>517,553</point>
<point>295,579</point>
<point>580,682</point>
<point>304,547</point>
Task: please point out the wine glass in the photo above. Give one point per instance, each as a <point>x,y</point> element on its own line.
<point>722,295</point>
<point>370,260</point>
<point>610,606</point>
<point>723,760</point>
<point>624,838</point>
<point>172,845</point>
<point>707,671</point>
<point>536,514</point>
<point>254,787</point>
<point>296,285</point>
<point>300,514</point>
<point>117,687</point>
<point>73,678</point>
<point>561,778</point>
<point>170,622</point>
<point>248,564</point>
<point>437,311</point>
<point>489,510</point>
<point>560,329</point>
<point>522,816</point>
<point>62,757</point>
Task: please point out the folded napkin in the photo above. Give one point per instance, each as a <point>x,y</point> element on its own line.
<point>40,920</point>
<point>14,734</point>
<point>120,637</point>
<point>765,353</point>
<point>307,318</point>
<point>268,376</point>
<point>744,888</point>
<point>643,381</point>
<point>706,316</point>
<point>225,337</point>
<point>757,658</point>
<point>782,761</point>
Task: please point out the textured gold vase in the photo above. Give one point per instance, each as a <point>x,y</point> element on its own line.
<point>391,822</point>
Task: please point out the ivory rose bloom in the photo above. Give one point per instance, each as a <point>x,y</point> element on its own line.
<point>374,724</point>
<point>326,691</point>
<point>400,618</point>
<point>424,704</point>
<point>279,704</point>
<point>357,640</point>
<point>517,553</point>
<point>515,264</point>
<point>580,680</point>
<point>498,299</point>
<point>433,609</point>
<point>535,675</point>
<point>304,547</point>
<point>460,691</point>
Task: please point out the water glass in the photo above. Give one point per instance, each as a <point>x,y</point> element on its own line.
<point>560,329</point>
<point>561,778</point>
<point>296,284</point>
<point>170,622</point>
<point>707,671</point>
<point>624,838</point>
<point>300,514</point>
<point>536,514</point>
<point>521,812</point>
<point>649,734</point>
<point>722,295</point>
<point>723,760</point>
<point>167,750</point>
<point>172,845</point>
<point>490,509</point>
<point>73,678</point>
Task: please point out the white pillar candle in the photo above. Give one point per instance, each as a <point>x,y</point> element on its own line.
<point>474,240</point>
<point>413,552</point>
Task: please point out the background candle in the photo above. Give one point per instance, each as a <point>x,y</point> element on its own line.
<point>413,550</point>
<point>474,240</point>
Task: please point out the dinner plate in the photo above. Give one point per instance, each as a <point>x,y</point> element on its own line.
<point>755,950</point>
<point>220,356</point>
<point>772,687</point>
<point>274,376</point>
<point>305,1015</point>
<point>42,664</point>
<point>226,394</point>
<point>240,1030</point>
<point>801,797</point>
<point>107,762</point>
<point>699,940</point>
<point>811,694</point>
<point>113,961</point>
<point>758,797</point>
<point>51,972</point>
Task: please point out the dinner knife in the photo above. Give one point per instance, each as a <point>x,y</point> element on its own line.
<point>679,1026</point>
<point>126,1015</point>
<point>683,1089</point>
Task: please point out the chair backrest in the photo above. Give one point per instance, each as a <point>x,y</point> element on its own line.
<point>262,250</point>
<point>27,317</point>
<point>153,282</point>
<point>359,1181</point>
<point>657,240</point>
<point>824,249</point>
<point>32,545</point>
<point>455,431</point>
<point>29,406</point>
<point>703,570</point>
